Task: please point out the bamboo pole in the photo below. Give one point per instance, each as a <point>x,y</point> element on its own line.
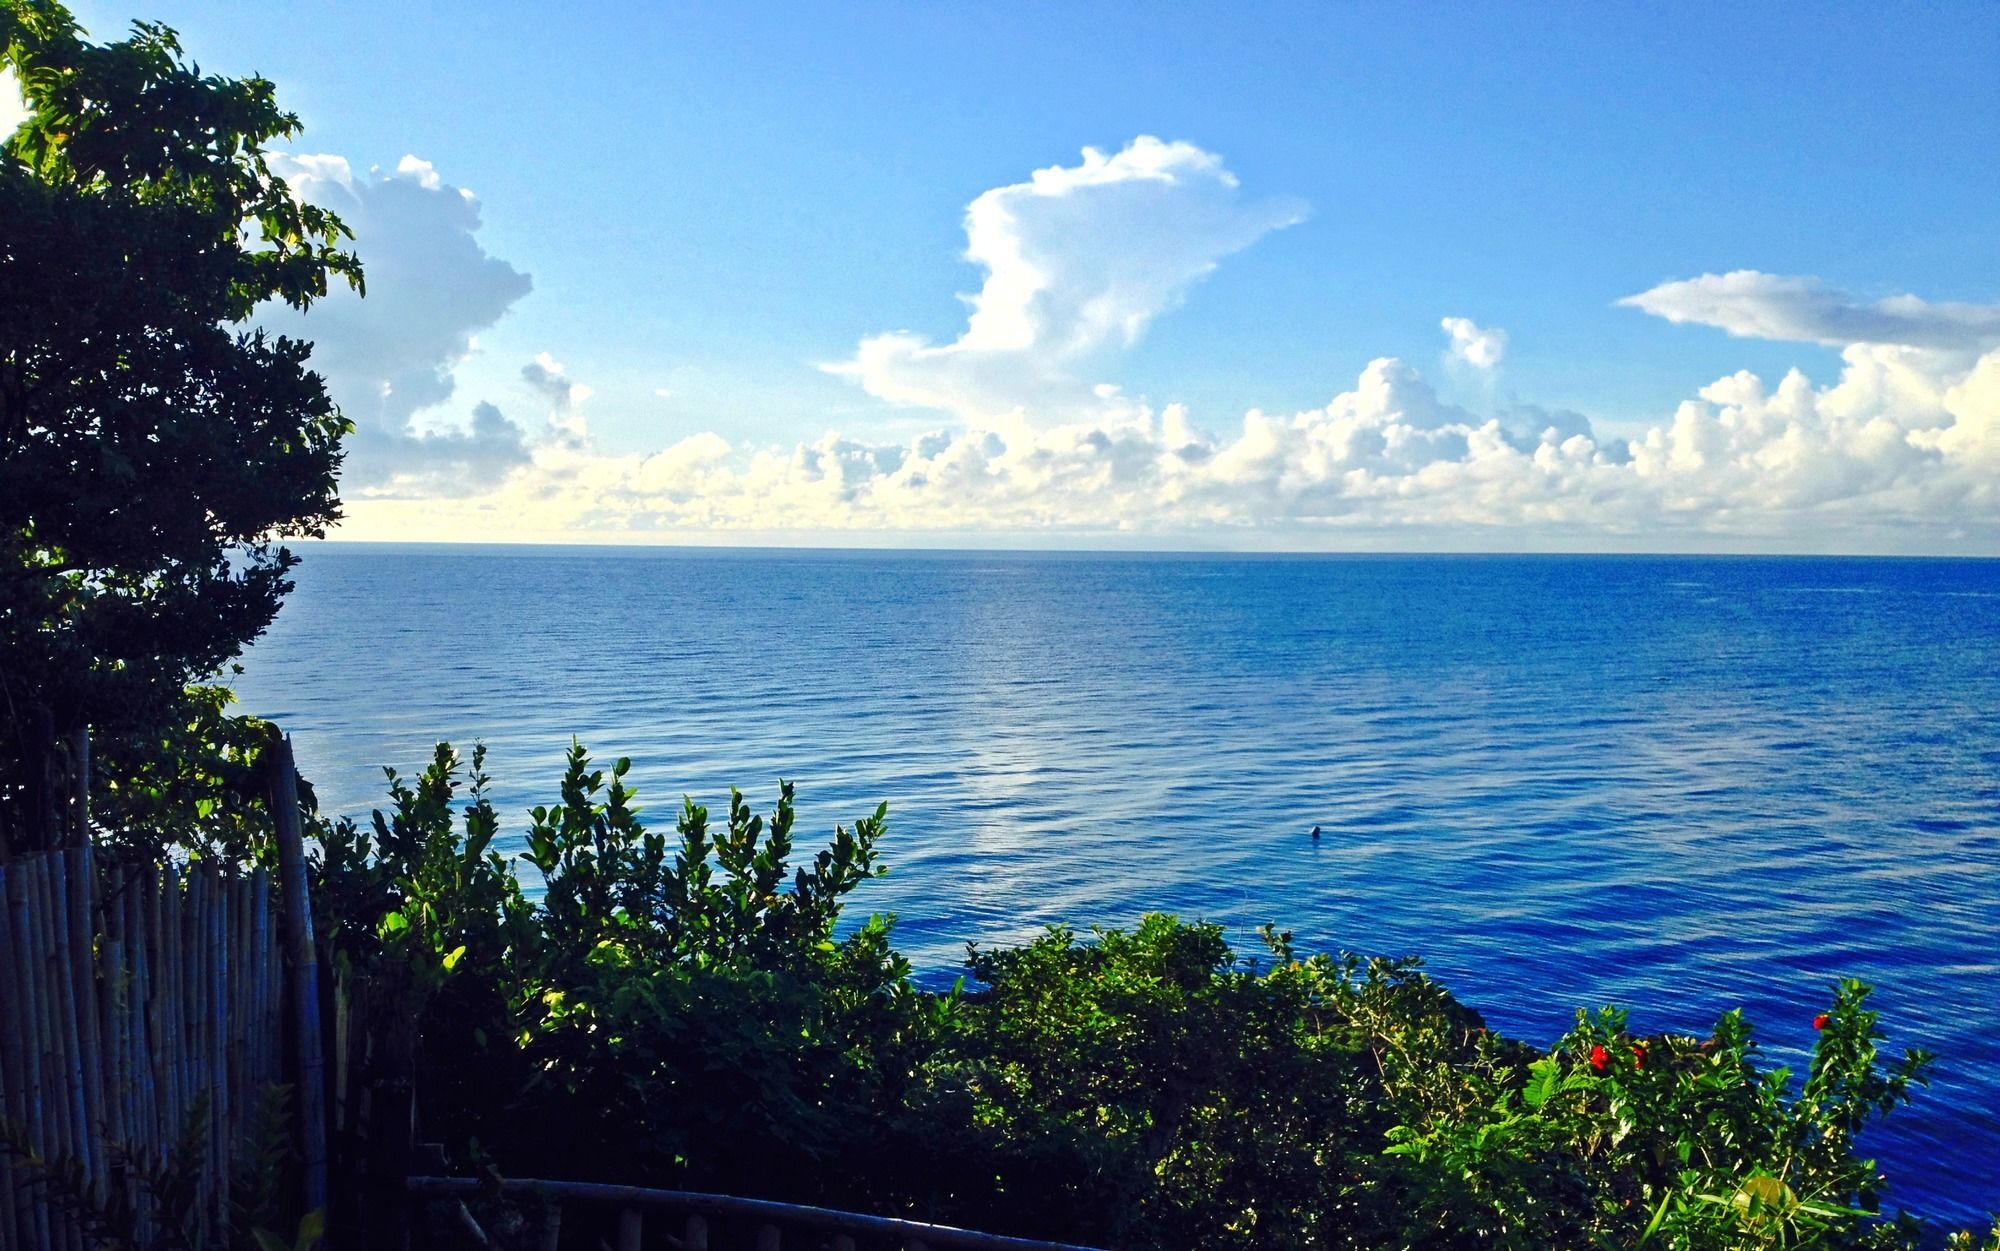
<point>180,1006</point>
<point>34,984</point>
<point>63,1081</point>
<point>131,1075</point>
<point>254,974</point>
<point>194,1049</point>
<point>112,990</point>
<point>242,963</point>
<point>49,1100</point>
<point>143,915</point>
<point>210,1056</point>
<point>167,999</point>
<point>270,1062</point>
<point>83,989</point>
<point>113,987</point>
<point>287,818</point>
<point>147,966</point>
<point>121,959</point>
<point>44,1129</point>
<point>215,973</point>
<point>186,1014</point>
<point>13,1081</point>
<point>68,1041</point>
<point>9,1233</point>
<point>245,970</point>
<point>194,1007</point>
<point>226,1049</point>
<point>21,895</point>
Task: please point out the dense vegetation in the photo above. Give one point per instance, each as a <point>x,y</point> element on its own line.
<point>688,1010</point>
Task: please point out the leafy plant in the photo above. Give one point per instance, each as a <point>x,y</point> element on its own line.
<point>693,1011</point>
<point>153,454</point>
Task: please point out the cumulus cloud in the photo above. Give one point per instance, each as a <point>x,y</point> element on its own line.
<point>1898,452</point>
<point>547,377</point>
<point>1750,304</point>
<point>13,107</point>
<point>1893,452</point>
<point>1079,260</point>
<point>1471,345</point>
<point>454,460</point>
<point>390,357</point>
<point>564,397</point>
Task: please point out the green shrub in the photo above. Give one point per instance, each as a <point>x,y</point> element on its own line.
<point>687,1011</point>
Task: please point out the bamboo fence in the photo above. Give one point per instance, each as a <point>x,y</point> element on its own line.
<point>142,1024</point>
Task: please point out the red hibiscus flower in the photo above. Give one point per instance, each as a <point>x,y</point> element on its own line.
<point>1819,1022</point>
<point>1639,1055</point>
<point>1600,1059</point>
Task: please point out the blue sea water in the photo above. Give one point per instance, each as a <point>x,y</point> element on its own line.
<point>1682,785</point>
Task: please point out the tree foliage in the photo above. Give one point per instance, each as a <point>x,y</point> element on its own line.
<point>154,453</point>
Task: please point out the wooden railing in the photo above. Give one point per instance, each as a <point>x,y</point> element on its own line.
<point>767,1222</point>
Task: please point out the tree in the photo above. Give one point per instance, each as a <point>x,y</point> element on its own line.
<point>154,453</point>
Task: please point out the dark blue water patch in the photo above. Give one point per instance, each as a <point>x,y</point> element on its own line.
<point>1682,785</point>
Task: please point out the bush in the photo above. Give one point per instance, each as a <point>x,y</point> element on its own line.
<point>687,1012</point>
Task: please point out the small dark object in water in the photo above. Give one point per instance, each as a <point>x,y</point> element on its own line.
<point>1315,833</point>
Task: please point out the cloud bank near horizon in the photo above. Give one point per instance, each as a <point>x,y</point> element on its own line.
<point>1038,441</point>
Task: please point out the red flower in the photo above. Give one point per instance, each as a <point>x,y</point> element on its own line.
<point>1819,1022</point>
<point>1600,1059</point>
<point>1639,1055</point>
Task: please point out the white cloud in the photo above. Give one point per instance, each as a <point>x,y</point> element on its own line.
<point>546,375</point>
<point>1079,260</point>
<point>1471,345</point>
<point>1754,305</point>
<point>1898,452</point>
<point>391,358</point>
<point>1891,454</point>
<point>13,108</point>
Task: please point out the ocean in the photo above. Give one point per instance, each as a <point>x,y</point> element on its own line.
<point>1680,785</point>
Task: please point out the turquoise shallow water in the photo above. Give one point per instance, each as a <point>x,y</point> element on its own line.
<point>1678,784</point>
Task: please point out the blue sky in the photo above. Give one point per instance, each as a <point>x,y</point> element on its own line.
<point>714,201</point>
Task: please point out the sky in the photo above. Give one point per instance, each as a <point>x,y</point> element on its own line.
<point>1302,277</point>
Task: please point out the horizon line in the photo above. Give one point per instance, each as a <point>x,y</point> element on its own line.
<point>945,549</point>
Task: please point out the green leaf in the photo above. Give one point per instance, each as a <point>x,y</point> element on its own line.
<point>1545,1078</point>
